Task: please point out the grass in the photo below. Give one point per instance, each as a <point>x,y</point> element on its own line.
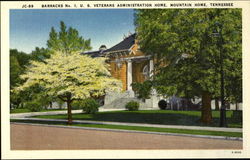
<point>137,128</point>
<point>24,110</point>
<point>165,117</point>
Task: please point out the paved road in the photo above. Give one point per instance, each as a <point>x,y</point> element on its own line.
<point>30,137</point>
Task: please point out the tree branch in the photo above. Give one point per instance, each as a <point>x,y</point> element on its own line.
<point>62,98</point>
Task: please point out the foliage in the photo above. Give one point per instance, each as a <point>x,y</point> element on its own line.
<point>15,100</point>
<point>183,39</point>
<point>80,76</point>
<point>67,41</point>
<point>18,63</point>
<point>39,54</point>
<point>89,105</point>
<point>77,104</point>
<point>188,51</point>
<point>162,104</point>
<point>22,58</point>
<point>60,103</point>
<point>67,74</point>
<point>15,70</point>
<point>143,89</point>
<point>34,93</point>
<point>33,106</point>
<point>132,106</point>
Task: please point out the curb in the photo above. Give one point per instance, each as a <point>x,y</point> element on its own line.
<point>135,131</point>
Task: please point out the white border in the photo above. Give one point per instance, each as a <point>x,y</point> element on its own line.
<point>73,154</point>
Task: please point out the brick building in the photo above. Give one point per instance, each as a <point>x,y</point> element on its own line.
<point>128,64</point>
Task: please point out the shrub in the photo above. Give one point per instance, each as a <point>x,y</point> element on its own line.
<point>33,106</point>
<point>143,90</point>
<point>89,105</point>
<point>77,104</point>
<point>132,106</point>
<point>162,104</point>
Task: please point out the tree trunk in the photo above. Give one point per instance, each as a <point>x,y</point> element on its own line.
<point>236,106</point>
<point>50,104</point>
<point>69,112</point>
<point>217,104</point>
<point>206,112</point>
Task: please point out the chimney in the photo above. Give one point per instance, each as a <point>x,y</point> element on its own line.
<point>102,48</point>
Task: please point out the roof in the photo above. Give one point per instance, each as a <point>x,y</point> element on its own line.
<point>124,45</point>
<point>93,53</point>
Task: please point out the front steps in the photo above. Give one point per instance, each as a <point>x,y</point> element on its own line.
<point>119,100</point>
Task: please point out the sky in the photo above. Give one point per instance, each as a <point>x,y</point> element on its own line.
<point>30,28</point>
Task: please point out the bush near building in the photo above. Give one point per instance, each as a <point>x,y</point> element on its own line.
<point>89,105</point>
<point>132,106</point>
<point>162,104</point>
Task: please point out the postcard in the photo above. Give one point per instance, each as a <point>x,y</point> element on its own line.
<point>125,79</point>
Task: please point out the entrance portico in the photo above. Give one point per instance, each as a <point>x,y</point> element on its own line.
<point>135,71</point>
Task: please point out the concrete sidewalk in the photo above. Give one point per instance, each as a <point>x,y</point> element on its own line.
<point>27,116</point>
<point>30,114</point>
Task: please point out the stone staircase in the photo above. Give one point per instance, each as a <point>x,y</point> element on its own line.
<point>120,103</point>
<point>119,100</point>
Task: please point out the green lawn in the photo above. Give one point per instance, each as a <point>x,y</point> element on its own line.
<point>167,117</point>
<point>137,128</point>
<point>23,110</point>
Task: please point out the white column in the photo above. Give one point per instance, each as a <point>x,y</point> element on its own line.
<point>151,68</point>
<point>151,73</point>
<point>154,97</point>
<point>129,75</point>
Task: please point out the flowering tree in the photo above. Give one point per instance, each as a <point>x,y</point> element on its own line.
<point>71,77</point>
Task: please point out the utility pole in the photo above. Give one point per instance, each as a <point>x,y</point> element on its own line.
<point>218,33</point>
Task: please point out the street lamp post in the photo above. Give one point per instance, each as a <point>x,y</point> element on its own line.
<point>223,122</point>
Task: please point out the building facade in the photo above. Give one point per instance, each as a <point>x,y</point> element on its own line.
<point>128,64</point>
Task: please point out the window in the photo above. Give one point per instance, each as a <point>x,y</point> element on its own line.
<point>145,71</point>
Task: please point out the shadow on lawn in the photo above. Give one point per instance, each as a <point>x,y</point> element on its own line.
<point>187,118</point>
<point>157,118</point>
<point>152,118</point>
<point>234,120</point>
